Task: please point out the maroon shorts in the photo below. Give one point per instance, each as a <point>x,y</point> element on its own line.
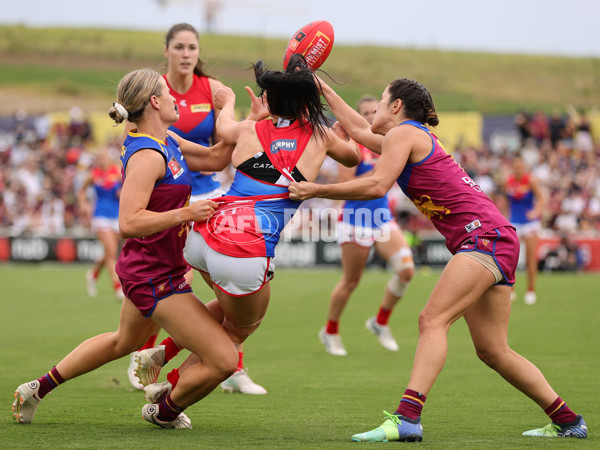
<point>145,294</point>
<point>502,244</point>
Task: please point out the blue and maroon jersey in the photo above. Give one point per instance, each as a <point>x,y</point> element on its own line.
<point>252,214</point>
<point>159,254</point>
<point>196,123</point>
<point>520,197</point>
<point>366,213</point>
<point>107,186</point>
<point>447,196</point>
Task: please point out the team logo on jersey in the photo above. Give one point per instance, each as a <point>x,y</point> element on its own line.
<point>183,103</point>
<point>288,145</point>
<point>474,225</point>
<point>200,107</point>
<point>430,209</point>
<point>175,168</point>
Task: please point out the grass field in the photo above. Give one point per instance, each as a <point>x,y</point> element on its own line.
<point>314,400</point>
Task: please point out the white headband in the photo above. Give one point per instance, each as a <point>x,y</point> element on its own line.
<point>121,110</point>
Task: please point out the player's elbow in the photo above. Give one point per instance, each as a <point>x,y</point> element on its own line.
<point>126,229</point>
<point>352,160</point>
<point>376,191</point>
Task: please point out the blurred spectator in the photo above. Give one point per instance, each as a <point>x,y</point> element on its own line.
<point>43,165</point>
<point>539,127</point>
<point>522,120</point>
<point>566,256</point>
<point>583,130</point>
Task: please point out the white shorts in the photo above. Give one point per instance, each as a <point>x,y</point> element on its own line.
<point>218,192</point>
<point>528,229</point>
<point>234,276</point>
<point>364,236</point>
<point>105,224</point>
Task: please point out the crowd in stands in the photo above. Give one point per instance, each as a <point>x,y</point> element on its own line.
<point>43,166</point>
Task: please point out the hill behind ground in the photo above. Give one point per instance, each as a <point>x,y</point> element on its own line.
<point>45,69</point>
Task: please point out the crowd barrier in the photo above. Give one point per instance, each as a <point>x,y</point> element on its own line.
<point>294,253</point>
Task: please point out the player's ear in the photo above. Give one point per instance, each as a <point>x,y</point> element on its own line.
<point>396,106</point>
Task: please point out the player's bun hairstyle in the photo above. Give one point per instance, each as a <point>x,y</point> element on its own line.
<point>199,67</point>
<point>416,100</point>
<point>293,94</point>
<point>133,94</point>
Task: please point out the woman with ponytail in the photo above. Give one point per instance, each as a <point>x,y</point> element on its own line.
<point>476,282</point>
<point>234,250</point>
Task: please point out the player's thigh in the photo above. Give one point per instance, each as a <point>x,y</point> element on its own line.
<point>245,310</point>
<point>354,259</point>
<point>191,325</point>
<point>461,284</point>
<point>488,319</point>
<point>134,329</point>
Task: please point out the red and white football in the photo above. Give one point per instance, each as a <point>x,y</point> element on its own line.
<point>314,41</point>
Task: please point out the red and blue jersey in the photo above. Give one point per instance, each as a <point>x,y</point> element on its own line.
<point>521,198</point>
<point>447,196</point>
<point>196,123</point>
<point>161,253</point>
<point>366,213</point>
<point>252,214</point>
<point>107,186</point>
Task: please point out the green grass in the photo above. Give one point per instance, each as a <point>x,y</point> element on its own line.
<point>458,81</point>
<point>314,400</point>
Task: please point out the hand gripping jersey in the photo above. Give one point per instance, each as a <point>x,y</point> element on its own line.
<point>159,254</point>
<point>447,196</point>
<point>366,213</point>
<point>107,184</point>
<point>196,123</point>
<point>251,215</point>
<point>521,198</point>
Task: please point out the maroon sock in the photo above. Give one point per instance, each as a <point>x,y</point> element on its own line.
<point>411,404</point>
<point>173,377</point>
<point>171,349</point>
<point>383,316</point>
<point>168,410</point>
<point>150,342</point>
<point>559,412</point>
<point>333,327</point>
<point>49,382</point>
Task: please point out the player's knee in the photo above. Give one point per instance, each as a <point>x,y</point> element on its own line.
<point>492,357</point>
<point>239,332</point>
<point>397,286</point>
<point>429,322</point>
<point>123,345</point>
<point>351,283</point>
<point>402,263</point>
<point>226,364</point>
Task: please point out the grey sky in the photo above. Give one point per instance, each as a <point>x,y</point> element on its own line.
<point>559,27</point>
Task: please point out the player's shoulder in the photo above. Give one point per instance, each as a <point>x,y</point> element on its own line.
<point>214,84</point>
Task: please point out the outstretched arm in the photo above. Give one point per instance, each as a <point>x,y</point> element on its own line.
<point>355,125</point>
<point>395,152</point>
<point>201,158</point>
